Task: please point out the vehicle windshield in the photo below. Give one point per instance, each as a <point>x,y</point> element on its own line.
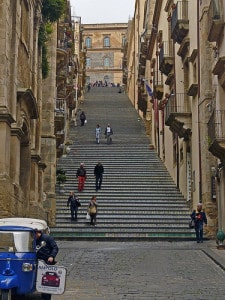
<point>16,241</point>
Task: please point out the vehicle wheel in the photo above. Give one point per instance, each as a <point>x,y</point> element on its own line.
<point>6,295</point>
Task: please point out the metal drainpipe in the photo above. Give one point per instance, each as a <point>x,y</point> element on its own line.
<point>199,131</point>
<point>177,139</point>
<point>157,68</point>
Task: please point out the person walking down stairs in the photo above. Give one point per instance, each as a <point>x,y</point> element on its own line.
<point>98,172</point>
<point>92,210</point>
<point>73,202</point>
<point>81,176</point>
<point>82,118</point>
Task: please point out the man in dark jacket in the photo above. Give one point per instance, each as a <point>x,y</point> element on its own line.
<point>47,253</point>
<point>98,172</point>
<point>74,203</point>
<point>82,118</point>
<point>199,218</point>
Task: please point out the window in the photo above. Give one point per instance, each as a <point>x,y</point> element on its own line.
<point>123,41</point>
<point>106,42</point>
<point>88,42</point>
<point>88,62</point>
<point>106,62</point>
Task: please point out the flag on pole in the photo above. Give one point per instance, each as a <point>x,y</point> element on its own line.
<point>149,90</point>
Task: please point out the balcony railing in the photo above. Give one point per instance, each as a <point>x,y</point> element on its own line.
<point>178,115</point>
<point>179,21</point>
<point>157,78</point>
<point>216,133</point>
<point>166,57</point>
<point>177,104</point>
<point>158,84</point>
<point>215,20</point>
<point>216,126</point>
<point>60,106</point>
<point>179,13</point>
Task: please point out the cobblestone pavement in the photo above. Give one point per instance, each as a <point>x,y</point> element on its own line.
<point>142,270</point>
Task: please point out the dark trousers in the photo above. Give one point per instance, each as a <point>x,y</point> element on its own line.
<point>93,219</point>
<point>199,232</point>
<point>98,181</point>
<point>46,296</point>
<point>73,210</point>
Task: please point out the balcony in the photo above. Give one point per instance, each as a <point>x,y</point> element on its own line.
<point>219,70</point>
<point>215,20</point>
<point>193,90</point>
<point>216,132</point>
<point>59,114</point>
<point>180,22</point>
<point>144,49</point>
<point>158,88</point>
<point>166,58</point>
<point>184,48</point>
<point>178,115</point>
<point>170,80</point>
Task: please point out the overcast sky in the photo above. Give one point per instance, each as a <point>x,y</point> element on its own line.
<point>103,11</point>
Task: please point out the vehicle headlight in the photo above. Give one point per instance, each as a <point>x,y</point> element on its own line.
<point>27,267</point>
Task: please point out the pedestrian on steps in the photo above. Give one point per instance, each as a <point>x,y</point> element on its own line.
<point>73,202</point>
<point>98,172</point>
<point>92,210</point>
<point>199,218</point>
<point>81,176</point>
<point>108,133</point>
<point>82,118</point>
<point>97,133</point>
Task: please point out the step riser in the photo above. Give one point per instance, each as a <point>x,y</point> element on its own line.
<point>138,200</point>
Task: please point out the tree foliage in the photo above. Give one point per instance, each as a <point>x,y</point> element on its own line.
<point>53,9</point>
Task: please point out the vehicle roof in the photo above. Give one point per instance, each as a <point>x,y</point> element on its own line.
<point>24,222</point>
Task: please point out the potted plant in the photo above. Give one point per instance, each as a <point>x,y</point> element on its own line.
<point>60,179</point>
<point>60,176</point>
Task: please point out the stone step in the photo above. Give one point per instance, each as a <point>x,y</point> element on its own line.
<point>123,236</point>
<point>126,203</point>
<point>138,200</point>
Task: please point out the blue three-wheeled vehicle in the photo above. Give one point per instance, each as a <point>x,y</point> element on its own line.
<point>18,261</point>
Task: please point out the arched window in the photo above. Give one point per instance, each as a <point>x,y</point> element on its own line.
<point>106,42</point>
<point>106,62</point>
<point>88,42</point>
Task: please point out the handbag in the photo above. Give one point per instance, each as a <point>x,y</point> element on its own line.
<point>92,210</point>
<point>88,216</point>
<point>191,223</point>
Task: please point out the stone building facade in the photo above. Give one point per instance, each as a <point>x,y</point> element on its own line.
<point>35,113</point>
<point>179,75</point>
<point>21,165</point>
<point>104,57</point>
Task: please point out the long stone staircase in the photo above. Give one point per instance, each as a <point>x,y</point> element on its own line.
<point>138,199</point>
